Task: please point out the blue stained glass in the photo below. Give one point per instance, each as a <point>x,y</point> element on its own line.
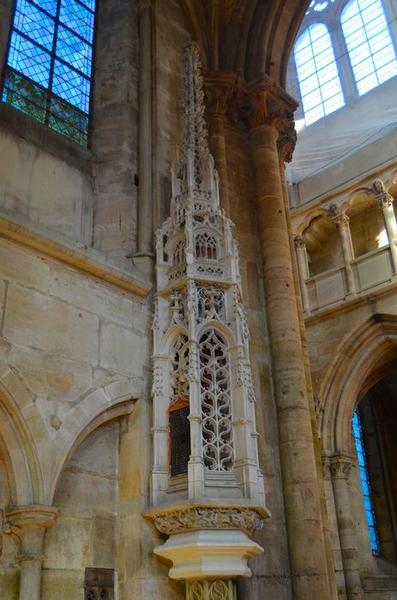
<point>49,63</point>
<point>77,17</point>
<point>71,86</point>
<point>34,24</point>
<point>89,3</point>
<point>29,59</point>
<point>365,483</point>
<point>49,6</point>
<point>74,50</point>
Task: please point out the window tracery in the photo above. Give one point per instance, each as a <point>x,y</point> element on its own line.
<point>318,75</point>
<point>369,43</point>
<point>179,426</point>
<point>206,246</point>
<point>346,49</point>
<point>49,65</point>
<point>215,402</point>
<point>179,252</point>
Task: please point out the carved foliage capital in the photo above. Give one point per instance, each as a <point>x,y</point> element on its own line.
<point>218,94</point>
<point>205,517</point>
<point>265,103</point>
<point>340,467</point>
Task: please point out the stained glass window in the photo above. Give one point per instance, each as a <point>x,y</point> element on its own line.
<point>369,43</point>
<point>365,482</point>
<point>49,64</point>
<point>318,75</point>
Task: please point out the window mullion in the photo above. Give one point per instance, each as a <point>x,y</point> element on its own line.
<point>344,66</point>
<point>52,64</point>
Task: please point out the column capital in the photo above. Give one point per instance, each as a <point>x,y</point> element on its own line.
<point>299,241</point>
<point>340,466</point>
<point>32,516</point>
<point>263,102</point>
<point>383,198</point>
<point>341,220</point>
<point>218,90</point>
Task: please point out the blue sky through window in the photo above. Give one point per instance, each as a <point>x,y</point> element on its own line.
<point>369,43</point>
<point>48,72</point>
<point>318,75</point>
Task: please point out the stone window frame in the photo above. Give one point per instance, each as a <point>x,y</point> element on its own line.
<point>330,17</point>
<point>26,126</point>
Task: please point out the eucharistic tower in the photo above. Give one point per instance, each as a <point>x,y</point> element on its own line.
<point>207,487</point>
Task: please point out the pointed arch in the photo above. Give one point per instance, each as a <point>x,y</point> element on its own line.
<point>17,415</point>
<point>361,360</point>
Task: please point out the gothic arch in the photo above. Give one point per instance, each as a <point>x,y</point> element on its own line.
<point>248,37</point>
<point>109,402</point>
<point>361,360</point>
<point>17,409</point>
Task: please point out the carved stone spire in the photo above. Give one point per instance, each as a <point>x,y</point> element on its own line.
<point>195,136</point>
<point>205,457</point>
<point>194,175</point>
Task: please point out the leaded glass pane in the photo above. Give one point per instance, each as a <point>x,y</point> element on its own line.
<point>78,18</point>
<point>49,63</point>
<point>369,43</point>
<point>317,73</point>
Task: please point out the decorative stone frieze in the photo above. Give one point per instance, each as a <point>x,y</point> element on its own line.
<point>216,589</point>
<point>194,518</point>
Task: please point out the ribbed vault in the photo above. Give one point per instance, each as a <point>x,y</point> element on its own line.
<point>250,37</point>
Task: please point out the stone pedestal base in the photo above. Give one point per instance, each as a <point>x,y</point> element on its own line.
<point>210,590</point>
<point>209,554</point>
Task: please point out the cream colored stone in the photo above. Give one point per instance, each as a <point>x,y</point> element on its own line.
<point>121,349</point>
<point>35,320</point>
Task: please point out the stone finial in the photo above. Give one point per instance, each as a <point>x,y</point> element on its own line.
<point>195,135</point>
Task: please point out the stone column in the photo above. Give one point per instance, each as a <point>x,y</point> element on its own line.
<point>218,89</point>
<point>307,550</point>
<point>30,524</point>
<point>340,467</point>
<point>385,203</point>
<point>342,223</point>
<point>144,255</point>
<point>303,269</point>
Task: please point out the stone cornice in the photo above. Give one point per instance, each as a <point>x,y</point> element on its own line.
<point>83,259</point>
